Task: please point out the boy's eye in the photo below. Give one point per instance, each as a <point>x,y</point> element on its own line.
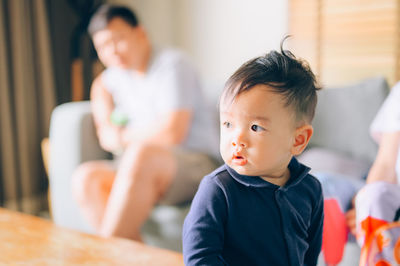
<point>227,124</point>
<point>257,128</point>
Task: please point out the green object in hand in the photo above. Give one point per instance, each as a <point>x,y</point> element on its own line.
<point>118,118</point>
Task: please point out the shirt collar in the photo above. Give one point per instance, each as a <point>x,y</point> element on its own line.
<point>297,172</point>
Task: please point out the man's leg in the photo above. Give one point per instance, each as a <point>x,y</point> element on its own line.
<point>91,186</point>
<point>144,174</point>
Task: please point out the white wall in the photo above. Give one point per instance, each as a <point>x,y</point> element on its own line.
<point>157,16</point>
<point>223,34</point>
<point>220,35</point>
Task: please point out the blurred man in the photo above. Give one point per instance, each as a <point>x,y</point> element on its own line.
<point>149,110</point>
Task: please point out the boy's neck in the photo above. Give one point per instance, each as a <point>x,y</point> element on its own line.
<point>279,181</point>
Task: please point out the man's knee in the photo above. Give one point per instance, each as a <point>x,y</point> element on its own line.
<point>149,164</point>
<point>149,156</point>
<point>83,179</point>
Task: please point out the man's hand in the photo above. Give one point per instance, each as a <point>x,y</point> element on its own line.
<point>110,139</point>
<point>351,220</point>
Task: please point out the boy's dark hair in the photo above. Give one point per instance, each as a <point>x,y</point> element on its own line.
<point>285,74</point>
<point>105,13</point>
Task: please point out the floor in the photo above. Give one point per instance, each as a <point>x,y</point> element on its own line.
<point>350,257</point>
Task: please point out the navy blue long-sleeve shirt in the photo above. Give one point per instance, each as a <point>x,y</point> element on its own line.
<point>244,220</point>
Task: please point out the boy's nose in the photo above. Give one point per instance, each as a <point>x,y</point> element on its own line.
<point>239,141</point>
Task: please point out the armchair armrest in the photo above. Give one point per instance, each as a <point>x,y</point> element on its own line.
<point>73,140</point>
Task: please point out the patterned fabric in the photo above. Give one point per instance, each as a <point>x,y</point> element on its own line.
<point>378,226</point>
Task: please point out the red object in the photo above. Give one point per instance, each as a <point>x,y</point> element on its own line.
<point>334,235</point>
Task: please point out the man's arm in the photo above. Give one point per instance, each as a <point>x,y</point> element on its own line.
<point>383,169</point>
<point>171,129</point>
<point>384,166</point>
<point>102,106</point>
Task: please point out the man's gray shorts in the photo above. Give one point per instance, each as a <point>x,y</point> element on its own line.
<point>192,167</point>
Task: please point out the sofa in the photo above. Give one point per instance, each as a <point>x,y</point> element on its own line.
<point>341,144</point>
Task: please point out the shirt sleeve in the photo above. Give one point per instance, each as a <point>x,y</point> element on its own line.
<point>179,82</point>
<point>315,232</point>
<point>388,117</point>
<point>203,229</point>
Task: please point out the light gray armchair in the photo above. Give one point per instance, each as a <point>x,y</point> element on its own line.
<point>72,141</point>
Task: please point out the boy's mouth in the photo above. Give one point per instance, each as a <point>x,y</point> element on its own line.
<point>237,159</point>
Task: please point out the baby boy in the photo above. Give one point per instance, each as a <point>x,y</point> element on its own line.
<point>261,207</point>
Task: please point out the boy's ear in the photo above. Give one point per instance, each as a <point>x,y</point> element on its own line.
<point>302,137</point>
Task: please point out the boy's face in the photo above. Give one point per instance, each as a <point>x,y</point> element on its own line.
<point>258,134</point>
<point>119,44</point>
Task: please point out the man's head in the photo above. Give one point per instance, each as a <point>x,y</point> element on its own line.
<point>118,38</point>
<point>266,110</point>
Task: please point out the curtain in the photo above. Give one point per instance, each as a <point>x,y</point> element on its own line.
<point>26,101</point>
<point>347,40</point>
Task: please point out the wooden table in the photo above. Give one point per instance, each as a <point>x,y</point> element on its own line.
<point>29,240</point>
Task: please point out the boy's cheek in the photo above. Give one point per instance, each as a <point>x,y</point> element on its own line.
<point>223,151</point>
<point>222,140</point>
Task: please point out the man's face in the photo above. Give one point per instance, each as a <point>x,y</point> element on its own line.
<point>257,133</point>
<point>119,45</point>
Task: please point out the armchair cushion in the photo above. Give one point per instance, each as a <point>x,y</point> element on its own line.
<point>343,117</point>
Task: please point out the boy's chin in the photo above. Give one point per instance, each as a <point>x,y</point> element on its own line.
<point>239,169</point>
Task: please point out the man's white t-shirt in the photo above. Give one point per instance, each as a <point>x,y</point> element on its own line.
<point>170,83</point>
<point>388,120</point>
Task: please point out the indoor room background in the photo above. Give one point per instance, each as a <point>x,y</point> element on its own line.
<point>47,59</point>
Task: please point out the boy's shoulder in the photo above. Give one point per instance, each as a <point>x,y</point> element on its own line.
<point>303,180</point>
<point>213,186</point>
<point>218,171</point>
<point>219,177</point>
<point>312,181</point>
<point>312,190</point>
<point>217,174</point>
<point>301,173</point>
<point>314,187</point>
